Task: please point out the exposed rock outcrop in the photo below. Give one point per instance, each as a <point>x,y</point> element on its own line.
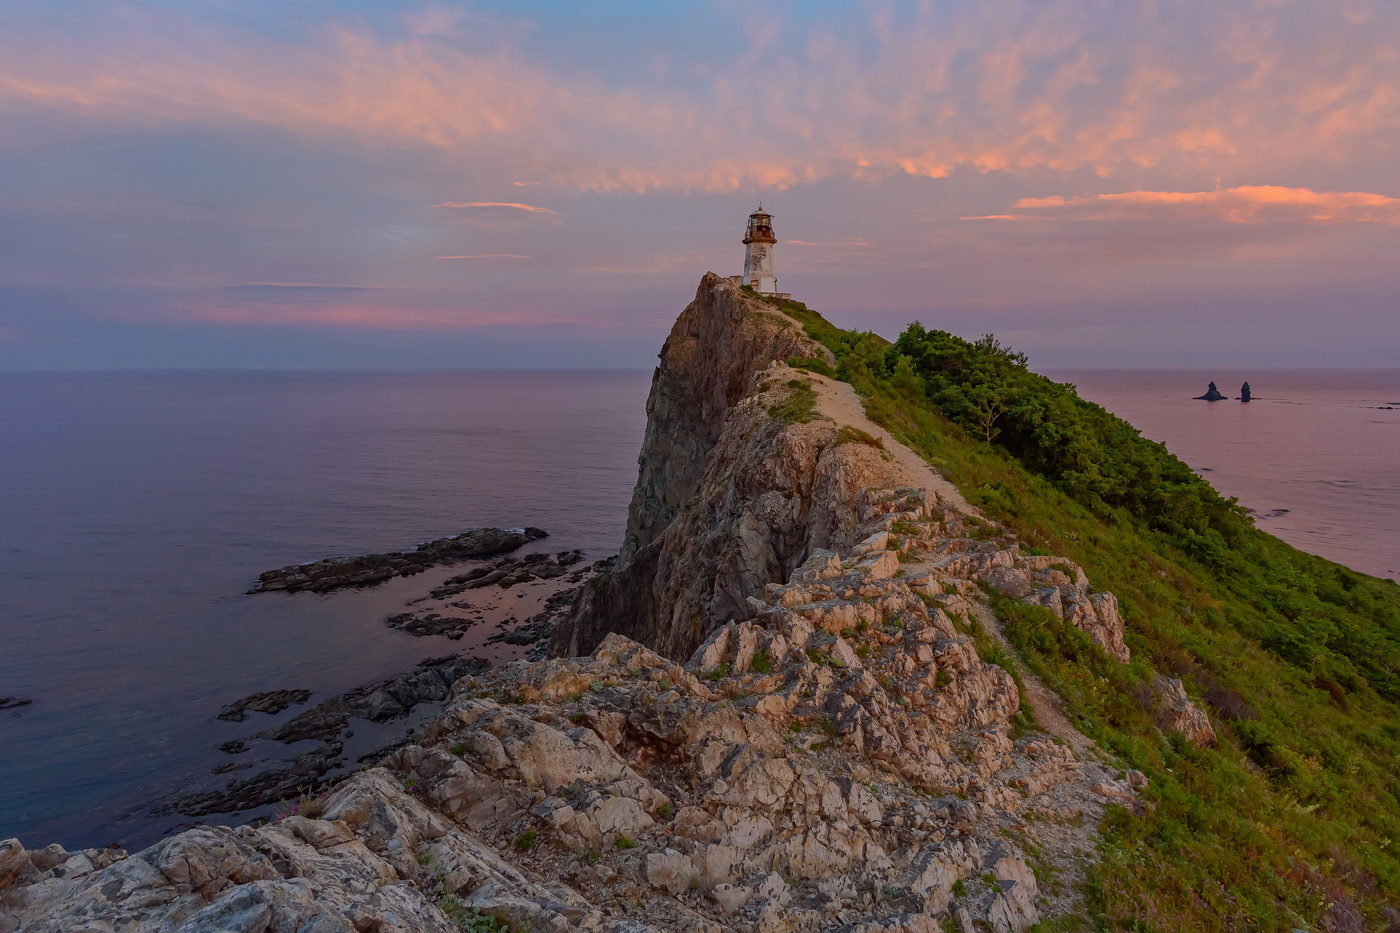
<point>332,573</point>
<point>269,701</point>
<point>776,715</point>
<point>1177,711</point>
<point>720,342</point>
<point>625,792</point>
<point>772,470</point>
<point>1212,394</point>
<point>327,722</point>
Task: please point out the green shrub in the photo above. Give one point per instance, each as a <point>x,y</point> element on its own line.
<point>812,364</point>
<point>470,919</point>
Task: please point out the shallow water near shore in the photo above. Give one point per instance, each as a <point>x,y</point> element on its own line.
<point>135,510</point>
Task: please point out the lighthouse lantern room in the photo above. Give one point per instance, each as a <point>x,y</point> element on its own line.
<point>758,254</point>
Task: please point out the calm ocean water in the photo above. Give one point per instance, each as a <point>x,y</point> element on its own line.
<point>136,509</point>
<point>1316,455</point>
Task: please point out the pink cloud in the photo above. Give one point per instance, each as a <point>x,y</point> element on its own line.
<point>1250,204</point>
<point>528,208</point>
<point>496,213</point>
<point>1016,86</point>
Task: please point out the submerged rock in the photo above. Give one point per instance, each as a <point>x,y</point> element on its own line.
<point>14,702</point>
<point>1212,394</point>
<point>326,723</point>
<point>323,575</point>
<point>271,701</point>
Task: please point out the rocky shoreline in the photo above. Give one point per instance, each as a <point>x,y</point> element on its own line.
<point>778,710</point>
<point>328,723</point>
<point>322,576</point>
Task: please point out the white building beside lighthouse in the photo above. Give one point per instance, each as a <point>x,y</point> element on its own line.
<point>758,255</point>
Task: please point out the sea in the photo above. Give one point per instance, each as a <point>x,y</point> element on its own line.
<point>1315,455</point>
<point>137,508</point>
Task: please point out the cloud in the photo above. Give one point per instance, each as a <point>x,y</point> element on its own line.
<point>496,213</point>
<point>1252,204</point>
<point>1012,86</point>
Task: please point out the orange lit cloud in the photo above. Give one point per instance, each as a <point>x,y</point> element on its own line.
<point>496,213</point>
<point>1015,86</point>
<point>506,205</point>
<point>1254,204</point>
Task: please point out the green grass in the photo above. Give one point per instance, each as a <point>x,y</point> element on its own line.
<point>811,364</point>
<point>1296,811</point>
<point>850,435</point>
<point>470,919</point>
<point>800,407</point>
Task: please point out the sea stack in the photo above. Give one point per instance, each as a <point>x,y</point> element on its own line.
<point>1244,392</point>
<point>1212,394</point>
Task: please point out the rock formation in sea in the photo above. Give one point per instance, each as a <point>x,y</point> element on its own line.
<point>1244,392</point>
<point>775,713</point>
<point>1212,394</point>
<point>321,576</point>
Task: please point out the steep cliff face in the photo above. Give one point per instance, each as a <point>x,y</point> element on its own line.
<point>748,467</point>
<point>719,344</point>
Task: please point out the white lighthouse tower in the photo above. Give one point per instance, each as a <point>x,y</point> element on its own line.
<point>758,254</point>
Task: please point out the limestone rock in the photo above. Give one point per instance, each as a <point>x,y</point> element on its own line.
<point>718,345</point>
<point>1180,712</point>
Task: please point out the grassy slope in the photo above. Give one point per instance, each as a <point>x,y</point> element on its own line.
<point>1293,820</point>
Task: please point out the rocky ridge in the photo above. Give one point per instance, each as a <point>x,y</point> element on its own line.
<point>811,739</point>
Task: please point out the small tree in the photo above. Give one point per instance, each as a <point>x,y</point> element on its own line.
<point>988,404</point>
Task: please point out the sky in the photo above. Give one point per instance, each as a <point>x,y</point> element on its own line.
<point>344,184</point>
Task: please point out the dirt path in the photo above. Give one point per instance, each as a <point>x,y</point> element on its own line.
<point>839,402</point>
<point>1049,711</point>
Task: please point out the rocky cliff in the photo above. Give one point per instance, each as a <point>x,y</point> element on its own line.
<point>719,344</point>
<point>776,713</point>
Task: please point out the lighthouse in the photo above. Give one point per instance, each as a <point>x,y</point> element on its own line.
<point>758,254</point>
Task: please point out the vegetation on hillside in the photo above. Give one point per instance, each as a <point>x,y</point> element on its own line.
<point>1293,819</point>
